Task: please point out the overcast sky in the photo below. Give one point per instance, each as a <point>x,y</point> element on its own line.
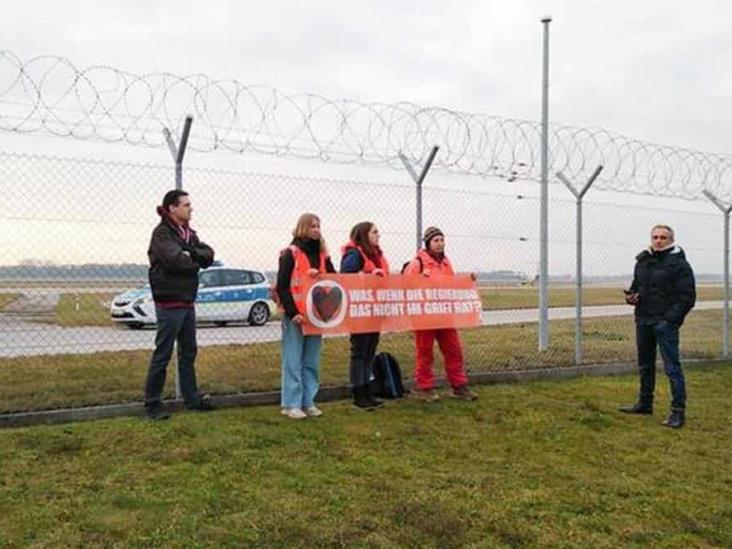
<point>654,69</point>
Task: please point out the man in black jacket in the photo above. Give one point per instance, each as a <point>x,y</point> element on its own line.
<point>176,255</point>
<point>663,292</point>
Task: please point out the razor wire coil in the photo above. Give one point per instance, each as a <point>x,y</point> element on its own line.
<point>51,95</point>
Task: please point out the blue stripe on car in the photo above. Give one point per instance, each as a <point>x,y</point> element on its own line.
<point>224,296</point>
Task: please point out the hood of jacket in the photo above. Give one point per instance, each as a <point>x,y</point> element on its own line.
<point>676,251</point>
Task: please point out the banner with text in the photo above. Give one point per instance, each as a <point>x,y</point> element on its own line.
<point>359,303</point>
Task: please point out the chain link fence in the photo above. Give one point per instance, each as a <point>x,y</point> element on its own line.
<point>76,234</point>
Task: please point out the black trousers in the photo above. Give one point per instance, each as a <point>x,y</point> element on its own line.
<point>173,325</point>
<point>363,349</point>
<point>665,337</point>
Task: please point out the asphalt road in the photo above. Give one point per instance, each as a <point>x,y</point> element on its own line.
<point>22,338</point>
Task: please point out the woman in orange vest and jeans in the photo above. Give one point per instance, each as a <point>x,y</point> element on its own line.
<point>362,254</point>
<point>307,256</point>
<point>431,260</point>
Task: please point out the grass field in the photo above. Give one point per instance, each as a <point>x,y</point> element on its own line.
<point>74,284</point>
<point>528,298</point>
<point>83,309</point>
<point>549,464</point>
<point>41,382</point>
<point>92,309</point>
<point>6,298</point>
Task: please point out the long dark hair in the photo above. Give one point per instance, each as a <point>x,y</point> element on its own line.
<point>360,236</point>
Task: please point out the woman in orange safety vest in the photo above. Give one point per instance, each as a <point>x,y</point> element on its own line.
<point>362,254</point>
<point>432,261</point>
<point>306,256</point>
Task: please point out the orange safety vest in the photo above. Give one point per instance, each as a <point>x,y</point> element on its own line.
<point>300,273</point>
<point>368,265</point>
<point>425,261</point>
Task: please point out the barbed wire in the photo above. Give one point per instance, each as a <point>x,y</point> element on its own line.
<point>50,95</point>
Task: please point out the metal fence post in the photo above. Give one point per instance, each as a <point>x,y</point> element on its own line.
<point>544,206</point>
<point>418,179</point>
<point>725,318</point>
<point>579,195</point>
<point>178,152</point>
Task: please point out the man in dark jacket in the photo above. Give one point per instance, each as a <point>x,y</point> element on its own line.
<point>176,254</point>
<point>663,292</point>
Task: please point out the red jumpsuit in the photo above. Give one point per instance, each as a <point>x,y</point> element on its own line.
<point>447,338</point>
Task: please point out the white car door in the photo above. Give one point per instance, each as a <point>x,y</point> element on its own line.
<point>208,302</point>
<point>259,288</point>
<point>236,296</point>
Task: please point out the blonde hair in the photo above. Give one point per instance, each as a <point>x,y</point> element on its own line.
<point>302,229</point>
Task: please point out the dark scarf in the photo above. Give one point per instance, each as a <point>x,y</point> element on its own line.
<point>311,247</point>
<point>437,257</point>
<point>308,245</point>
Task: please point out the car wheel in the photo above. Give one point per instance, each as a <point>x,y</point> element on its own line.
<point>135,325</point>
<point>220,323</point>
<point>259,314</point>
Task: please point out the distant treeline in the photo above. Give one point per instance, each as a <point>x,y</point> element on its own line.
<point>34,270</point>
<point>103,271</point>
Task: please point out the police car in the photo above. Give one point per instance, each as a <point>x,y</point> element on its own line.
<point>224,295</point>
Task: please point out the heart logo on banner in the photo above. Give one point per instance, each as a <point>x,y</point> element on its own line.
<point>327,301</point>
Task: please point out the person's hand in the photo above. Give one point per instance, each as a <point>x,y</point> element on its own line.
<point>298,320</point>
<point>426,272</point>
<point>378,272</point>
<point>195,257</point>
<point>313,273</point>
<point>201,256</point>
<point>632,299</point>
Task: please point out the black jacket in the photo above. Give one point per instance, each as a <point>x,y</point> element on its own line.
<point>665,284</point>
<point>174,264</point>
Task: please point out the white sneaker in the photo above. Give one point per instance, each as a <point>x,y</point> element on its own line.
<point>312,411</point>
<point>293,413</point>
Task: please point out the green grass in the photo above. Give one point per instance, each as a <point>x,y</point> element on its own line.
<point>42,382</point>
<point>90,309</point>
<point>6,299</point>
<point>73,284</point>
<point>528,298</point>
<point>549,464</point>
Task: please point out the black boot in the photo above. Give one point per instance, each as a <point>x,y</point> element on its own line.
<point>361,400</point>
<point>675,419</point>
<point>638,408</point>
<point>156,412</point>
<point>370,396</point>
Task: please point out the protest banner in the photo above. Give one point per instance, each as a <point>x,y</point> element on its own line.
<point>360,303</point>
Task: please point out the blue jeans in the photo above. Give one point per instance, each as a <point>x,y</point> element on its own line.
<point>300,366</point>
<point>666,337</point>
<point>180,325</point>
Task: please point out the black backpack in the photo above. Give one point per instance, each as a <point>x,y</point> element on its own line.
<point>386,377</point>
<point>406,264</point>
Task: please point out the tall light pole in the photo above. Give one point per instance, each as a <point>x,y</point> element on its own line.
<point>544,214</point>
